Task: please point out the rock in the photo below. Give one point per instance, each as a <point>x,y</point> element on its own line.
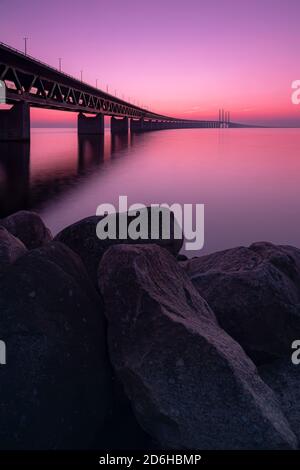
<point>81,237</point>
<point>55,387</point>
<point>10,249</point>
<point>285,258</point>
<point>122,430</point>
<point>255,294</point>
<point>191,385</point>
<point>284,377</point>
<point>28,227</point>
<point>181,257</point>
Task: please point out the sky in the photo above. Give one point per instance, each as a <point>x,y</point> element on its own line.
<point>181,58</point>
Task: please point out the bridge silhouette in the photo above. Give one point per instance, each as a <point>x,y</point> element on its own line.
<point>30,82</point>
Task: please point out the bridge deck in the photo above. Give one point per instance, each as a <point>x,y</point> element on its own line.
<point>30,80</point>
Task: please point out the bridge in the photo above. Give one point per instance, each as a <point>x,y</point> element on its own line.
<point>30,82</point>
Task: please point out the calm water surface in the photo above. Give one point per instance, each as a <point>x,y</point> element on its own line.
<point>248,179</point>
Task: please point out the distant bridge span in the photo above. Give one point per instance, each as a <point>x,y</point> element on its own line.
<point>29,82</point>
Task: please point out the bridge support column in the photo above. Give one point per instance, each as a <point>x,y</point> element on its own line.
<point>90,125</point>
<point>119,126</point>
<point>137,125</point>
<point>148,125</point>
<point>15,122</point>
<point>140,125</point>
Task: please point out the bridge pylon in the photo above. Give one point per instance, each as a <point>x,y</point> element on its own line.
<point>15,122</point>
<point>119,126</point>
<point>90,125</point>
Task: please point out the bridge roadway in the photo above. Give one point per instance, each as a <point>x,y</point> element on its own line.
<point>30,82</point>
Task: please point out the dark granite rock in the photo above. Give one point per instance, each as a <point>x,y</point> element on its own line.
<point>255,294</point>
<point>181,257</point>
<point>81,237</point>
<point>190,384</point>
<point>55,388</point>
<point>28,227</point>
<point>11,248</point>
<point>284,377</point>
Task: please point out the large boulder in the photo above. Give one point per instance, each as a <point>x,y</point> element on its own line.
<point>255,294</point>
<point>55,387</point>
<point>82,238</point>
<point>28,227</point>
<point>190,384</point>
<point>283,377</point>
<point>11,248</point>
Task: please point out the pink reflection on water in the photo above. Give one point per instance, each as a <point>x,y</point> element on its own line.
<point>248,179</point>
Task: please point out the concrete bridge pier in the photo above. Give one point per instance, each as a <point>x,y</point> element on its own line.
<point>137,125</point>
<point>119,126</point>
<point>156,125</point>
<point>90,125</point>
<point>141,125</point>
<point>15,122</point>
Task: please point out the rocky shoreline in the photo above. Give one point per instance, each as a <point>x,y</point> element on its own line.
<point>113,345</point>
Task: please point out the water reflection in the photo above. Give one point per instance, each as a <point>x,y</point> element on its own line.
<point>14,177</point>
<point>119,143</point>
<point>90,152</point>
<point>31,175</point>
<point>248,179</point>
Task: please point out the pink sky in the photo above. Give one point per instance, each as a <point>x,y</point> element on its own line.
<point>183,58</point>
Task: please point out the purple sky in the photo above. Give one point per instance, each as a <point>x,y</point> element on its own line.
<point>185,58</point>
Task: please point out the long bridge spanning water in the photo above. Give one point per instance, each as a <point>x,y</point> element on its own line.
<point>29,82</point>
